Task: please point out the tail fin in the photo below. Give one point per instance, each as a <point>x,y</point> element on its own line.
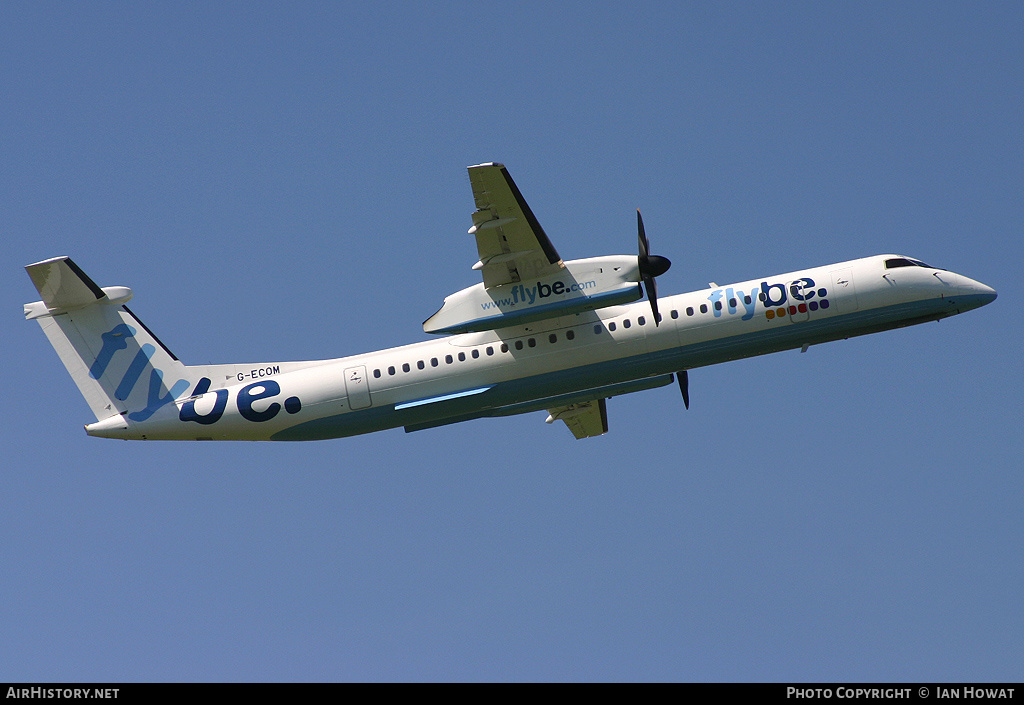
<point>116,361</point>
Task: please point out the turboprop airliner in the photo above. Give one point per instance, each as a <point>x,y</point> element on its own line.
<point>538,333</point>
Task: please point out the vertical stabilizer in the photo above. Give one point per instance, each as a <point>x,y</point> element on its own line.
<point>118,364</point>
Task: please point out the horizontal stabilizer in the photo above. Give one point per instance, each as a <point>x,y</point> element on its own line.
<point>62,284</point>
<point>65,287</point>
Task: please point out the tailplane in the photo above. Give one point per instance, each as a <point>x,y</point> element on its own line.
<point>116,361</point>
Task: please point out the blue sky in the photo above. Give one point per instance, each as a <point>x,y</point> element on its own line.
<point>288,181</point>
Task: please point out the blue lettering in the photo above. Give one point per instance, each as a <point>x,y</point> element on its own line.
<point>748,307</point>
<point>766,293</point>
<point>528,295</point>
<point>113,340</point>
<point>715,296</point>
<point>131,376</point>
<point>156,378</point>
<point>246,397</point>
<point>800,285</point>
<point>188,409</point>
<point>730,296</point>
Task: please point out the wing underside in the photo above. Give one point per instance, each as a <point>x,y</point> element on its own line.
<point>586,419</point>
<point>511,243</point>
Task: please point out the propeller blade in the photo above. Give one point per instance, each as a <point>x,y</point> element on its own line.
<point>652,295</point>
<point>650,266</point>
<point>684,386</point>
<point>645,245</point>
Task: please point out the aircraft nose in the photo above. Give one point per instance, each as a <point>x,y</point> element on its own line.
<point>975,294</point>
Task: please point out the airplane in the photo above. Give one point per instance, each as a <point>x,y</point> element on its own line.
<point>538,333</point>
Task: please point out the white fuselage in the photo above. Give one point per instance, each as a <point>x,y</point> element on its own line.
<point>557,361</point>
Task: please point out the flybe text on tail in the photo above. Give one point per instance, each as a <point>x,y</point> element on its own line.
<point>116,339</point>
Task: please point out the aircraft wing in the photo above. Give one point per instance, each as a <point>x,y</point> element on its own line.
<point>511,243</point>
<point>589,418</point>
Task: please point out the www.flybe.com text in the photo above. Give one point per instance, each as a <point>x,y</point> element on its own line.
<point>528,295</point>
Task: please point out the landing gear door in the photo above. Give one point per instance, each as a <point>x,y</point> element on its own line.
<point>843,294</point>
<point>357,387</point>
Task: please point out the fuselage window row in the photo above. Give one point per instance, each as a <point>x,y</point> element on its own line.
<point>475,353</point>
<point>553,337</point>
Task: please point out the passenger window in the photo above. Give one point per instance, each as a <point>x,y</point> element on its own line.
<point>570,335</point>
<point>433,362</point>
<point>462,357</point>
<point>376,373</point>
<point>448,359</point>
<point>718,305</point>
<point>490,350</point>
<point>675,314</point>
<point>597,329</point>
<point>519,345</point>
<point>611,325</point>
<point>532,342</point>
<point>420,365</point>
<point>626,323</point>
<point>641,321</point>
<point>476,353</point>
<point>391,370</point>
<point>689,310</point>
<point>504,347</point>
<point>703,308</point>
<point>732,303</point>
<point>552,338</point>
<point>405,367</point>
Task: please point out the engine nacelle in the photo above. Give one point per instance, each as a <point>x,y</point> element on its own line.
<point>583,285</point>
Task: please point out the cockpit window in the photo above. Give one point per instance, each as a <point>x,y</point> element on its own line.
<point>899,262</point>
<point>905,262</point>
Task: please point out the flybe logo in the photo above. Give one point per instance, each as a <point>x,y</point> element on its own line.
<point>777,300</point>
<point>117,339</point>
<point>247,396</point>
<point>528,295</point>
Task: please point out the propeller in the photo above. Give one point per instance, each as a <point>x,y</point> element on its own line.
<point>651,266</point>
